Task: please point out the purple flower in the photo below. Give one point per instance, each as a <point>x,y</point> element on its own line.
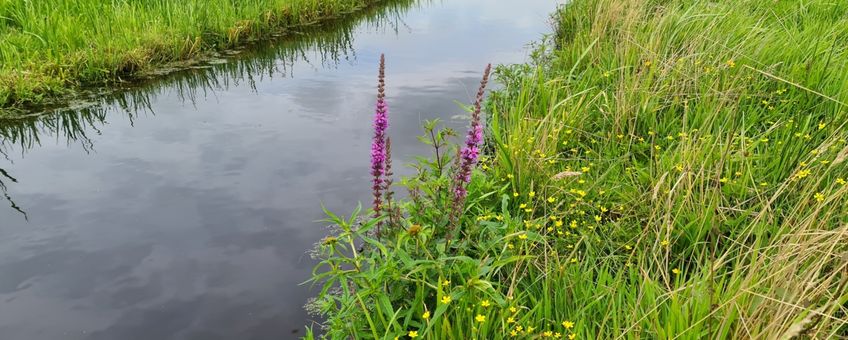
<point>469,154</point>
<point>378,145</point>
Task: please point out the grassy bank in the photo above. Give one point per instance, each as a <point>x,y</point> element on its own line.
<point>52,47</point>
<point>662,169</point>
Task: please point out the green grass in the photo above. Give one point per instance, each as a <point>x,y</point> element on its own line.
<point>662,169</point>
<point>53,47</point>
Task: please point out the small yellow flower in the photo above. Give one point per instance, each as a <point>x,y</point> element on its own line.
<point>513,309</point>
<point>822,125</point>
<point>665,243</point>
<point>551,199</point>
<point>647,63</point>
<point>676,271</point>
<point>548,334</point>
<point>480,318</point>
<point>513,333</point>
<point>802,174</point>
<point>485,303</point>
<point>840,181</point>
<point>567,324</point>
<point>731,63</point>
<point>446,299</point>
<point>572,336</point>
<point>557,335</point>
<point>522,236</point>
<point>531,194</point>
<point>426,315</point>
<point>558,223</point>
<point>413,334</point>
<point>514,194</point>
<point>510,176</point>
<point>819,197</point>
<point>510,320</point>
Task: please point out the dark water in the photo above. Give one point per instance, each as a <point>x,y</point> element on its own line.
<point>182,209</point>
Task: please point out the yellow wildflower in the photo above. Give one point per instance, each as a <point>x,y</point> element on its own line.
<point>513,309</point>
<point>413,334</point>
<point>840,181</point>
<point>548,334</point>
<point>531,194</point>
<point>480,318</point>
<point>567,324</point>
<point>446,299</point>
<point>676,271</point>
<point>819,197</point>
<point>426,315</point>
<point>485,303</point>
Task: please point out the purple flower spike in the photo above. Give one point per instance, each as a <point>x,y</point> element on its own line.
<point>469,154</point>
<point>378,145</point>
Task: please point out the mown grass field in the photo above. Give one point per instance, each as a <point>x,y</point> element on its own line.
<point>662,169</point>
<point>52,47</point>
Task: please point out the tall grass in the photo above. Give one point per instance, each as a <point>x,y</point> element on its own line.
<point>661,169</point>
<point>50,47</point>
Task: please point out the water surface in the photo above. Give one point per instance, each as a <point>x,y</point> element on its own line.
<point>183,208</point>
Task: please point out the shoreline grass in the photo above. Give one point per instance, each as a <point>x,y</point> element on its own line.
<point>661,169</point>
<point>52,48</point>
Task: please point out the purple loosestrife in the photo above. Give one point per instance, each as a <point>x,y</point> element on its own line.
<point>378,145</point>
<point>468,155</point>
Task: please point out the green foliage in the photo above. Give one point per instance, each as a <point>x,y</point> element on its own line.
<point>50,47</point>
<point>661,169</point>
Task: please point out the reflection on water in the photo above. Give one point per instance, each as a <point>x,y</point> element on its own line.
<point>183,208</point>
<point>322,47</point>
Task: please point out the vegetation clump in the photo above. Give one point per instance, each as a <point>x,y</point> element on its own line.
<point>54,47</point>
<point>660,169</point>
